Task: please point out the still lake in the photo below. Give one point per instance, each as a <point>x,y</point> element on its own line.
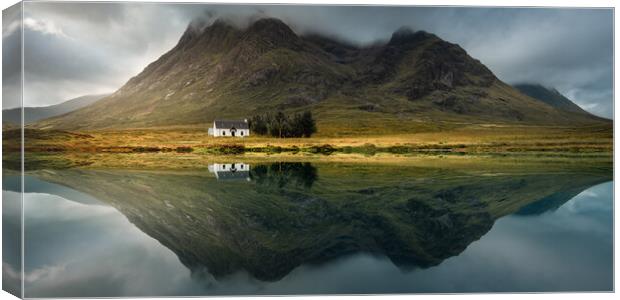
<point>301,228</point>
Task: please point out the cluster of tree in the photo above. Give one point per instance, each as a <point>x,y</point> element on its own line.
<point>282,126</point>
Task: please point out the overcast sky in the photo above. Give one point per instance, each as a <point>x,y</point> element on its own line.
<point>74,49</point>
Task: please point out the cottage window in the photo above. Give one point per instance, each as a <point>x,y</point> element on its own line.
<point>242,133</point>
<point>223,132</point>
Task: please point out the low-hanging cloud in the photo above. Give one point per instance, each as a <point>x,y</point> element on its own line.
<point>86,48</point>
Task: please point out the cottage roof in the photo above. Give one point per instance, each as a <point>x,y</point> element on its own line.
<point>238,124</point>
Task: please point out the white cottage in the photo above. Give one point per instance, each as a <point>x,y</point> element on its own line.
<point>232,128</point>
<point>231,171</point>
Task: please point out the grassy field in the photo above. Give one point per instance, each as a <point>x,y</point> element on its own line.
<point>465,138</point>
<point>186,147</point>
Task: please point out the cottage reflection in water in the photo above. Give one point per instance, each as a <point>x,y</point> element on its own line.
<point>231,171</point>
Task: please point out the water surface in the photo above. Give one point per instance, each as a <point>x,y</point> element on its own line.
<point>299,228</point>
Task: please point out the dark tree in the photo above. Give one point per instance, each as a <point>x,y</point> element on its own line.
<point>280,125</point>
<point>308,124</point>
<point>297,126</point>
<point>258,125</point>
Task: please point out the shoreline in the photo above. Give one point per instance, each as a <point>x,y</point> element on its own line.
<point>176,148</point>
<point>180,161</point>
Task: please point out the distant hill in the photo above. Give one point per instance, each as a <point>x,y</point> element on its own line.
<point>33,114</point>
<point>550,96</point>
<point>415,80</point>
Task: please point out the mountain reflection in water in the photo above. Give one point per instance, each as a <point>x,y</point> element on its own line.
<point>291,215</point>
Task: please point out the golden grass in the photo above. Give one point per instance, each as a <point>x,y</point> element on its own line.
<point>476,137</point>
<point>166,147</point>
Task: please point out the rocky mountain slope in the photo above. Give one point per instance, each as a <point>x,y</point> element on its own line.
<point>221,71</point>
<point>550,96</point>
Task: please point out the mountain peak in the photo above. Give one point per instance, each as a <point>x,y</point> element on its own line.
<point>271,27</point>
<point>270,33</point>
<point>218,27</point>
<point>191,32</point>
<point>406,35</point>
<point>200,27</point>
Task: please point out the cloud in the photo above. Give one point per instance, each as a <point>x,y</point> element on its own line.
<point>569,49</point>
<point>11,20</point>
<point>10,28</point>
<point>77,49</point>
<point>43,27</point>
<point>11,57</point>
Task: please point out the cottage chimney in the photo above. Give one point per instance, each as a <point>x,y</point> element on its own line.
<point>245,120</point>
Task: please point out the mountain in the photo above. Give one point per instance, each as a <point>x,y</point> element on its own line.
<point>222,71</point>
<point>550,96</point>
<point>33,114</point>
